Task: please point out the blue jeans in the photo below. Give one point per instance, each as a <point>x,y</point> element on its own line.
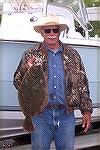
<point>53,124</point>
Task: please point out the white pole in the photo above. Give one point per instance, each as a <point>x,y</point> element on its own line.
<point>87,35</point>
<point>45,7</point>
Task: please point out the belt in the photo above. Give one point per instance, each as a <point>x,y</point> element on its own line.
<point>56,106</point>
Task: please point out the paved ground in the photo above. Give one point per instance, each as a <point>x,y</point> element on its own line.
<point>81,142</point>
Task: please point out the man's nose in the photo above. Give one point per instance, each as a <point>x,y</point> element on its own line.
<point>51,33</point>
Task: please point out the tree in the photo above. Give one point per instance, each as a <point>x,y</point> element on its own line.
<point>92,3</point>
<point>0,18</point>
<point>95,24</point>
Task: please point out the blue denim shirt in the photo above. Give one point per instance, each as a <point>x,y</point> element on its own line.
<point>56,78</point>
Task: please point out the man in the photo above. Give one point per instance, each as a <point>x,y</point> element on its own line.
<point>67,88</point>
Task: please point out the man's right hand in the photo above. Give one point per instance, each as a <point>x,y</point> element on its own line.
<point>35,61</point>
<point>30,61</point>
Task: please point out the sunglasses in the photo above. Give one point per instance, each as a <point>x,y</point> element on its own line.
<point>47,31</point>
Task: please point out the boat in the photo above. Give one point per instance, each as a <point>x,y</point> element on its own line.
<point>17,35</point>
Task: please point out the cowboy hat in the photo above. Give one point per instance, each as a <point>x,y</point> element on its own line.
<point>48,21</point>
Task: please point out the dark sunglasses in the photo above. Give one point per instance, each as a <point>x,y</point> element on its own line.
<point>47,31</point>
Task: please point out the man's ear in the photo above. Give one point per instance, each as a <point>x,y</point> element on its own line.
<point>42,33</point>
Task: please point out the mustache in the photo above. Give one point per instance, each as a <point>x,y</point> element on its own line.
<point>51,37</point>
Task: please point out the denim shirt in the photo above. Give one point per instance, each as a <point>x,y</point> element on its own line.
<point>56,79</point>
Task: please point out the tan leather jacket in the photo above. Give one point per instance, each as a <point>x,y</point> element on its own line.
<point>76,83</point>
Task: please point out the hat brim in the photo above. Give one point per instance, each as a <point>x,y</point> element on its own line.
<point>38,28</point>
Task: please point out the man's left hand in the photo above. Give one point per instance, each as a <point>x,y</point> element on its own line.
<point>86,121</point>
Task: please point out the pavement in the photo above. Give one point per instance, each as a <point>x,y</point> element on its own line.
<point>84,142</point>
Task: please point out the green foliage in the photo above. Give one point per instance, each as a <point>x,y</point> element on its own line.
<point>96,28</point>
<point>95,24</point>
<point>0,18</point>
<point>92,3</point>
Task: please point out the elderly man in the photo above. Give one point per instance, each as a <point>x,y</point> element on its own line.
<point>67,88</point>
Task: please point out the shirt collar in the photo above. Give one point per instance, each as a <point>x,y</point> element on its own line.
<point>60,49</point>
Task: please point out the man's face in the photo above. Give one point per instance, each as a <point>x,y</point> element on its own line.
<point>51,34</point>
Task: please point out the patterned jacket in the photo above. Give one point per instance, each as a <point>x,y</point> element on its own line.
<point>76,83</point>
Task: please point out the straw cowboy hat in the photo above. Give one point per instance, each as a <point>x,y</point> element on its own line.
<point>48,21</point>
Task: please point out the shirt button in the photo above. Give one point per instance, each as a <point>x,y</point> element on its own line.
<point>54,96</point>
<point>55,76</point>
<point>54,65</point>
<point>55,87</point>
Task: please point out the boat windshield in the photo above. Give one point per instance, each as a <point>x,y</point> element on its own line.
<point>71,3</point>
<point>78,9</point>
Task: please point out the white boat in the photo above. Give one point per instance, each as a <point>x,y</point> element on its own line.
<point>17,35</point>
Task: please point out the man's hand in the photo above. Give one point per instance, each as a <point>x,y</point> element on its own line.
<point>30,61</point>
<point>86,121</point>
<point>35,61</point>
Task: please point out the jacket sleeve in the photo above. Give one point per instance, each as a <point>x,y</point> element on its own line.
<point>20,72</point>
<point>86,102</point>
